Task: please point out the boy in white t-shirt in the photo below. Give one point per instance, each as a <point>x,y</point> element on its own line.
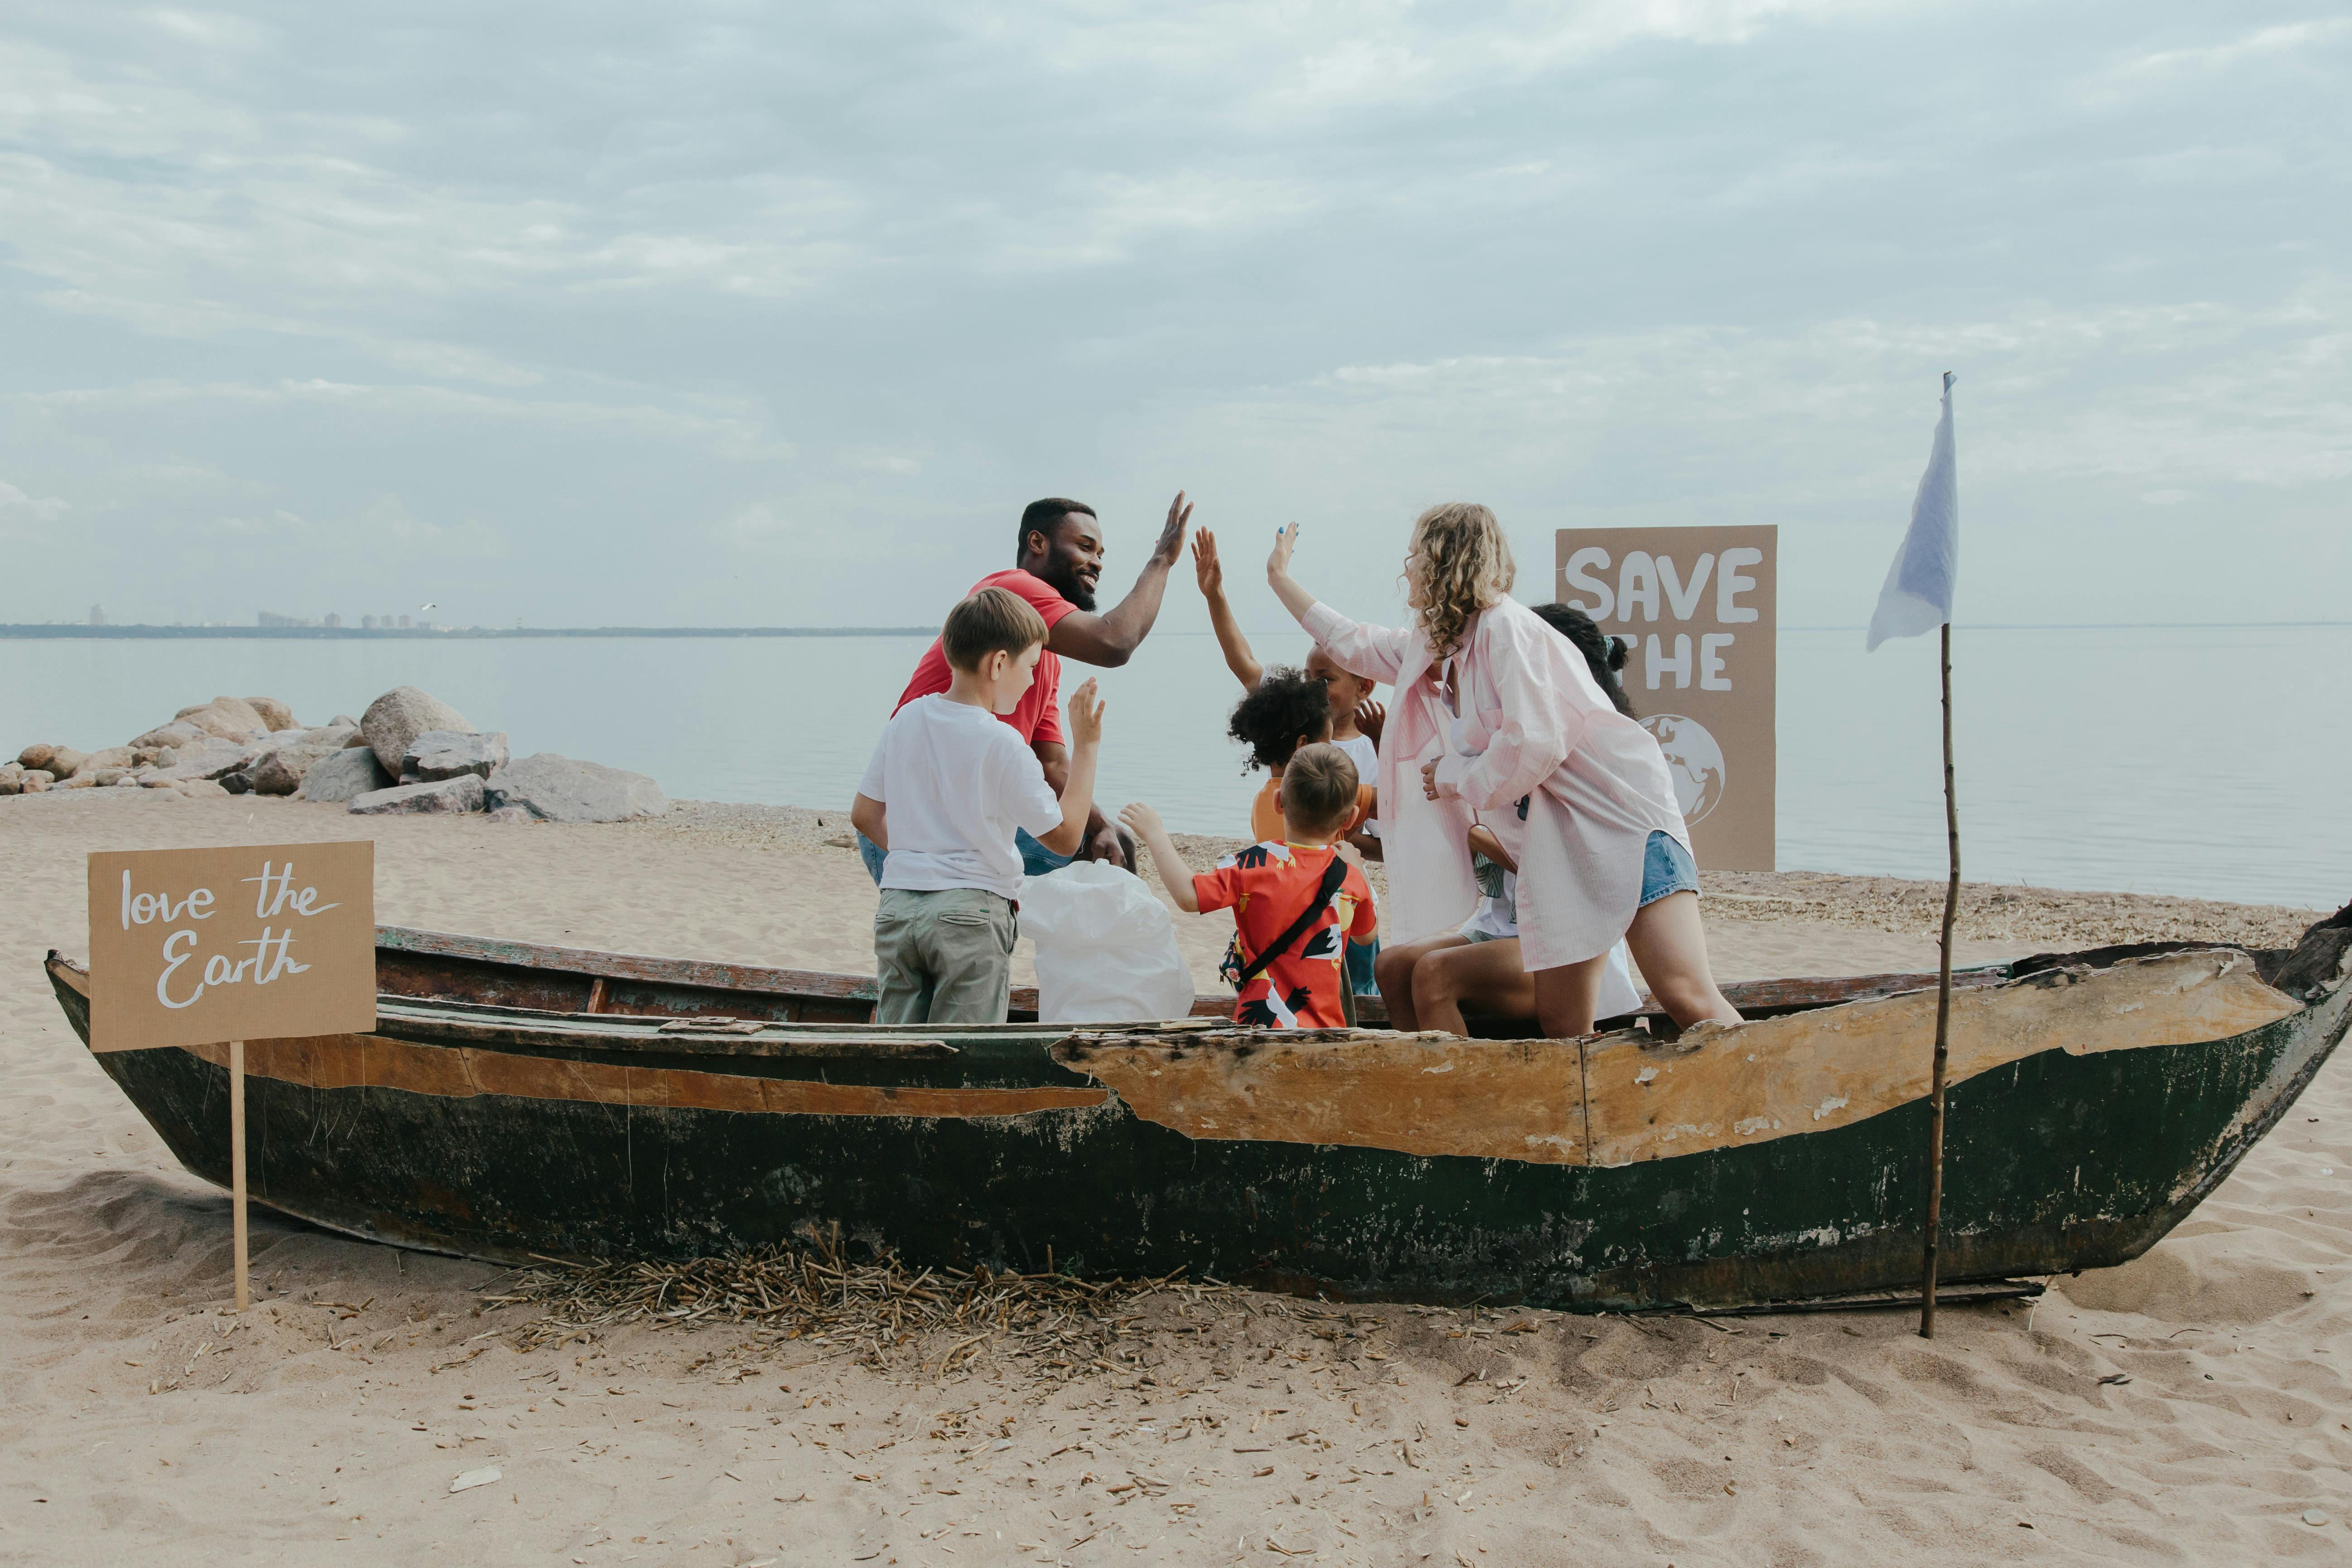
<point>948,788</point>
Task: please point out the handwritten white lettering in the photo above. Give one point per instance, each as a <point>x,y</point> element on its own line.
<point>1730,583</point>
<point>1637,584</point>
<point>1604,603</point>
<point>284,965</point>
<point>1711,677</point>
<point>1657,665</point>
<point>174,961</point>
<point>1684,600</point>
<point>144,908</point>
<point>266,903</point>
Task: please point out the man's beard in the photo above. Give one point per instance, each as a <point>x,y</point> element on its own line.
<point>1068,584</point>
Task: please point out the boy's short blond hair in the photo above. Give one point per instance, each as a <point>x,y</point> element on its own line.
<point>994,620</point>
<point>1318,789</point>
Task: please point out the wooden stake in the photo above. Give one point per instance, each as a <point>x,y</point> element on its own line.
<point>236,1158</point>
<point>1943,1021</point>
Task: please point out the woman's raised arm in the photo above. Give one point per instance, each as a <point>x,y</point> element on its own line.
<point>1377,653</point>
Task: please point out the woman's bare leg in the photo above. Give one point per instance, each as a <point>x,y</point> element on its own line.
<point>1393,973</point>
<point>1486,974</point>
<point>1669,945</point>
<point>1566,997</point>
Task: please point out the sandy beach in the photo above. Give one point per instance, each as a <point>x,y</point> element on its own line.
<point>2191,1407</point>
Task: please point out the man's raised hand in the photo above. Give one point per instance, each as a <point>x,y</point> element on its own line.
<point>1172,537</point>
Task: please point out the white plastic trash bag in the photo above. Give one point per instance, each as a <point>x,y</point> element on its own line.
<point>1106,948</point>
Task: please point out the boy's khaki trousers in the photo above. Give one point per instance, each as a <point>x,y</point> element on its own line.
<point>944,957</point>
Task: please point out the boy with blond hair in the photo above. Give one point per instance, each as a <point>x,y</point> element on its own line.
<point>947,790</point>
<point>1296,902</point>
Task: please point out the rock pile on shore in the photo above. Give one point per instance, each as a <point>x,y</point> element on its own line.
<point>408,752</point>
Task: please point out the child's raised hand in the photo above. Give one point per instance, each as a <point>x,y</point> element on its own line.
<point>1205,568</point>
<point>1371,719</point>
<point>1286,540</point>
<point>1086,715</point>
<point>1140,819</point>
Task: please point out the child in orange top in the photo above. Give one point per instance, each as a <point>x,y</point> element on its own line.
<point>1296,902</point>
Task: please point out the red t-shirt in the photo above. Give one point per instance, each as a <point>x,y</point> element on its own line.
<point>1038,716</point>
<point>1268,885</point>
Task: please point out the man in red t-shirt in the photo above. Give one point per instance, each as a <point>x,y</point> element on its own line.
<point>1056,564</point>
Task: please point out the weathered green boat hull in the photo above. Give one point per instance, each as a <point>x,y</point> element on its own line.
<point>2055,1162</point>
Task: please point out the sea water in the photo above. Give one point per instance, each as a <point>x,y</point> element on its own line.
<point>2202,761</point>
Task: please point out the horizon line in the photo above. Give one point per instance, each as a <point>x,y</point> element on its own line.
<point>156,631</point>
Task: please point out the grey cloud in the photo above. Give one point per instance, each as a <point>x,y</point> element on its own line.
<point>696,311</point>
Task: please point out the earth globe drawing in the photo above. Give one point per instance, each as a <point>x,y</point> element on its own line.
<point>1695,760</point>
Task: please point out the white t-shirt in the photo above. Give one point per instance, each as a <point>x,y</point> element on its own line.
<point>1367,758</point>
<point>958,781</point>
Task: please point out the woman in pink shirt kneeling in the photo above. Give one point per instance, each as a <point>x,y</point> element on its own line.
<point>1491,705</point>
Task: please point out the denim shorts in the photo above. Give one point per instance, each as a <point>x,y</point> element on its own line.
<point>1666,868</point>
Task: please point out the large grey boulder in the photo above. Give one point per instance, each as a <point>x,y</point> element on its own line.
<point>557,789</point>
<point>282,768</point>
<point>445,753</point>
<point>463,793</point>
<point>228,716</point>
<point>344,774</point>
<point>402,714</point>
<point>64,762</point>
<point>178,732</point>
<point>274,713</point>
<point>207,759</point>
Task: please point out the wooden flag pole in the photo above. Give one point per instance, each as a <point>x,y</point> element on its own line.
<point>236,1158</point>
<point>1943,1020</point>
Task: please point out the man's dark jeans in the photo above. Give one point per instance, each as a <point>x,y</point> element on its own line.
<point>1036,860</point>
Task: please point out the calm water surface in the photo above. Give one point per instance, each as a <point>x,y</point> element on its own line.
<point>2208,761</point>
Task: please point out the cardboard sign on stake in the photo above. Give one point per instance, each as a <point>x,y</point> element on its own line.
<point>196,947</point>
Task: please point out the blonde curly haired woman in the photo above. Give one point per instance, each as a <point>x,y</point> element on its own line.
<point>1492,706</point>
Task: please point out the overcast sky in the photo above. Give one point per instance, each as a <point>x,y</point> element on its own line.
<point>725,313</point>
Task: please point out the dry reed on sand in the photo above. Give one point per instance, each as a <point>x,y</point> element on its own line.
<point>886,1316</point>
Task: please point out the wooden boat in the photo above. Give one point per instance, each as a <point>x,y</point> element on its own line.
<point>516,1100</point>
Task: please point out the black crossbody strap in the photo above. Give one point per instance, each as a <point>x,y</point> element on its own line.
<point>1333,874</point>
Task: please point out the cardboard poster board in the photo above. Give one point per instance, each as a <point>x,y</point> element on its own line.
<point>1697,608</point>
<point>198,947</point>
<point>193,947</point>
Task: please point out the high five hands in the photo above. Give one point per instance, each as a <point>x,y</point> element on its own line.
<point>1286,540</point>
<point>1206,570</point>
<point>1171,535</point>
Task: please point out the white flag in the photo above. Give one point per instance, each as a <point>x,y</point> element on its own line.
<point>1918,592</point>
